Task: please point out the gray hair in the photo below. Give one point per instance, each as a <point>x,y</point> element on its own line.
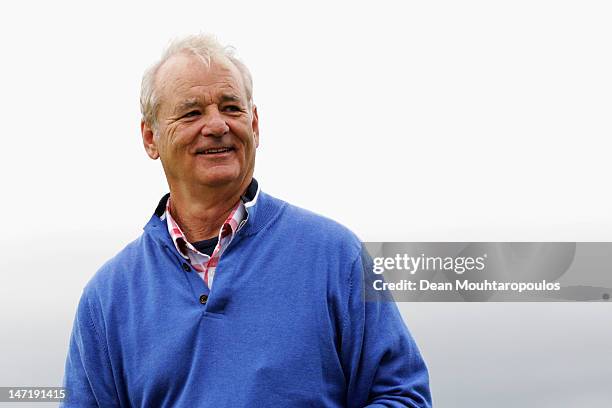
<point>202,45</point>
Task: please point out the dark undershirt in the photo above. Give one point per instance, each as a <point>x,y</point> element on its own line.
<point>207,246</point>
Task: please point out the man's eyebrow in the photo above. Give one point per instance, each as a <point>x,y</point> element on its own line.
<point>186,105</point>
<point>194,103</point>
<point>230,98</point>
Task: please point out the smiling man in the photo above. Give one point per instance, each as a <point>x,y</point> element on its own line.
<point>231,297</point>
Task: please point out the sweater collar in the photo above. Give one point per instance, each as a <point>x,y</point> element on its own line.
<point>261,208</point>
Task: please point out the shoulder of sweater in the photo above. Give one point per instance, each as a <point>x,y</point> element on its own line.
<point>118,268</point>
<point>317,227</point>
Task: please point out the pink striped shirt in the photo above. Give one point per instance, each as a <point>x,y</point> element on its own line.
<point>204,264</point>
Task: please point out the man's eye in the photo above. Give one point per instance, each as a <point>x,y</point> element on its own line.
<point>191,114</point>
<point>232,108</point>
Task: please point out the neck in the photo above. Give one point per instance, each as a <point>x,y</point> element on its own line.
<point>200,214</point>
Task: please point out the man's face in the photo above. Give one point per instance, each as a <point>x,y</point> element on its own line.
<point>207,134</point>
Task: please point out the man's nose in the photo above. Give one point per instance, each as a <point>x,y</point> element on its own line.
<point>214,123</point>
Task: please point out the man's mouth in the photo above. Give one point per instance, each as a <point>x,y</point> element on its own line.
<point>216,150</point>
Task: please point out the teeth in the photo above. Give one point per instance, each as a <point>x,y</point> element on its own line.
<point>221,150</point>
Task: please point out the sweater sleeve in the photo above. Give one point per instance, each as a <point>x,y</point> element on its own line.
<point>382,363</point>
<point>88,377</point>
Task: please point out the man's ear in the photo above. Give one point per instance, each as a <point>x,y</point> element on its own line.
<point>148,140</point>
<point>255,125</point>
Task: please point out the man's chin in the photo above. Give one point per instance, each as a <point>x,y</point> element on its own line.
<point>220,177</point>
<point>221,180</point>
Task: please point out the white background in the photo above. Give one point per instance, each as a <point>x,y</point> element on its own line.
<point>405,121</point>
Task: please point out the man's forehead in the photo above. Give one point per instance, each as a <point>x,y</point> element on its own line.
<point>184,71</point>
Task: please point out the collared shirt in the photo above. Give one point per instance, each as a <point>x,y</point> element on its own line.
<point>205,264</point>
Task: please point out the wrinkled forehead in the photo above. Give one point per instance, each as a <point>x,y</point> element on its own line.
<point>184,74</point>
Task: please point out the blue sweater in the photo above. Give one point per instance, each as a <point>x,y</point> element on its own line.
<point>285,325</point>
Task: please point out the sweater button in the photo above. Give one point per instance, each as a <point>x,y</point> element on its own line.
<point>186,267</point>
<point>203,299</point>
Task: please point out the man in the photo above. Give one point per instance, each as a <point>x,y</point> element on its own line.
<point>230,297</point>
